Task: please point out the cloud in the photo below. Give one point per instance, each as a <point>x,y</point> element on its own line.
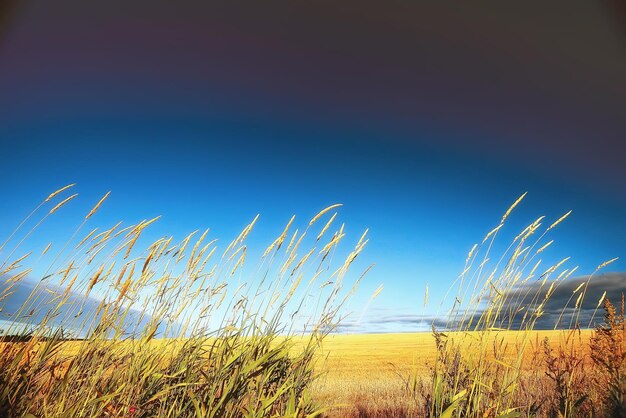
<point>380,320</point>
<point>27,304</point>
<point>561,305</point>
<point>562,302</point>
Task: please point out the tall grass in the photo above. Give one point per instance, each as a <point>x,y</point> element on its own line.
<point>480,373</point>
<point>168,328</point>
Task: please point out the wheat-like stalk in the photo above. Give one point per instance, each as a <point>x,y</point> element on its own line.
<point>123,297</point>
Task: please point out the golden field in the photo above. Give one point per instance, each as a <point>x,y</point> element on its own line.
<point>369,371</point>
<point>368,374</point>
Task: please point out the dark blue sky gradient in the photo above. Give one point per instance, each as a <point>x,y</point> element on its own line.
<point>426,122</point>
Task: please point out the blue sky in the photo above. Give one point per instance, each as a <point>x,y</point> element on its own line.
<point>425,134</point>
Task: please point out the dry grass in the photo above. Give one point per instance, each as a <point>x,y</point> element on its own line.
<point>250,345</point>
<point>489,361</point>
<point>368,374</point>
<point>233,343</point>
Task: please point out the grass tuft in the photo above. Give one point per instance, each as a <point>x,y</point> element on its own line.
<point>117,326</point>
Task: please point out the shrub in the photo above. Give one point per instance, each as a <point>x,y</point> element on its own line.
<point>608,354</point>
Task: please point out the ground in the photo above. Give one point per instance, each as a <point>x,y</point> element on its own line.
<point>370,371</point>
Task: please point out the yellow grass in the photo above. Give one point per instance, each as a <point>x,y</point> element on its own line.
<point>238,353</point>
<point>370,370</point>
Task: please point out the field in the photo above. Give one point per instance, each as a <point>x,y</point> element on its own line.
<point>368,370</point>
<point>369,374</point>
<point>365,373</point>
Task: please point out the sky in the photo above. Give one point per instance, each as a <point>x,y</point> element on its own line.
<point>426,121</point>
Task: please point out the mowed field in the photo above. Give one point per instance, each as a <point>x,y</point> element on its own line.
<point>369,372</point>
